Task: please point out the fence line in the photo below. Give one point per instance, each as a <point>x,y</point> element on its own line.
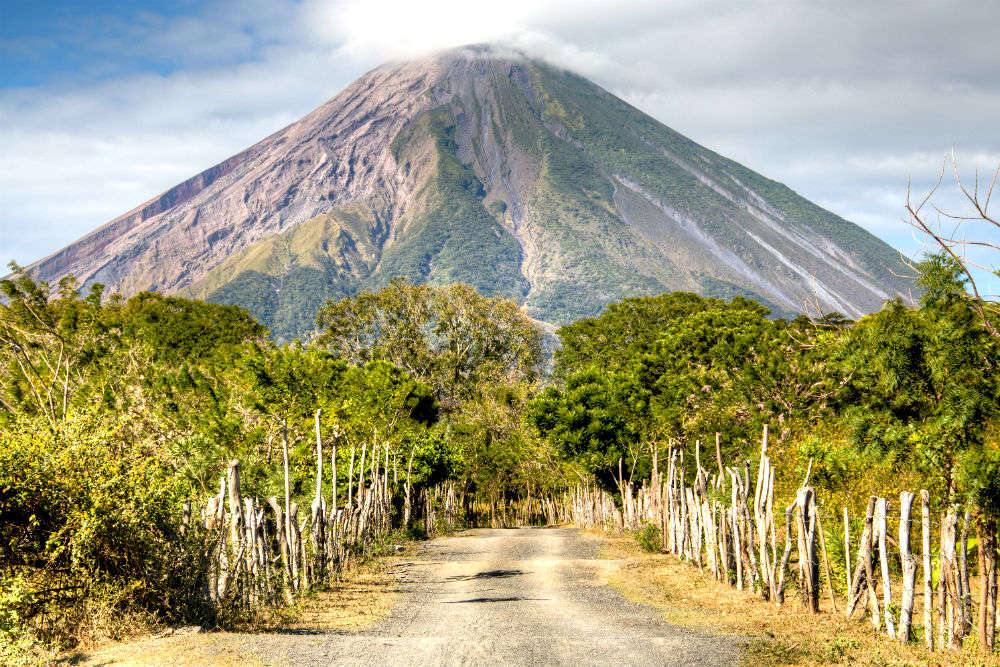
<point>735,538</point>
<point>254,556</point>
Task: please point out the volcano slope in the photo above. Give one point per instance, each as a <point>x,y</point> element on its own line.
<point>483,166</point>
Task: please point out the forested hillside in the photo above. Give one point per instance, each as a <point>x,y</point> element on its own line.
<point>117,413</point>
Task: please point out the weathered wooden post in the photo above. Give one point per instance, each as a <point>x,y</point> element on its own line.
<point>361,472</point>
<point>949,580</point>
<point>735,532</point>
<point>318,514</point>
<point>281,524</point>
<point>808,563</point>
<point>881,530</point>
<point>964,596</point>
<point>863,581</point>
<point>235,503</point>
<point>909,563</point>
<point>250,549</point>
<point>944,612</point>
<point>779,593</point>
<point>826,559</point>
<point>333,473</point>
<point>295,550</point>
<point>210,523</point>
<point>868,547</point>
<point>350,480</point>
<point>723,539</point>
<point>229,555</point>
<point>718,457</point>
<point>925,525</point>
<point>764,477</point>
<point>847,558</point>
<point>986,530</point>
<point>386,492</point>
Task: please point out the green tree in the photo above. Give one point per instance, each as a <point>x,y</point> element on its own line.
<point>925,380</point>
<point>595,419</point>
<point>47,343</point>
<point>451,338</point>
<point>625,331</point>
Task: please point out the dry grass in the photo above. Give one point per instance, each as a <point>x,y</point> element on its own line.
<point>774,636</point>
<point>363,598</point>
<point>352,605</point>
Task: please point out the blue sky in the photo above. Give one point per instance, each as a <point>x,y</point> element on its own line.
<point>62,40</point>
<point>105,104</point>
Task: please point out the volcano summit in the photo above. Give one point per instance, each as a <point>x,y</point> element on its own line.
<point>482,166</point>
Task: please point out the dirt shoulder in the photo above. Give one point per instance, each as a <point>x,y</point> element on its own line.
<point>362,599</point>
<point>773,635</point>
<point>519,597</point>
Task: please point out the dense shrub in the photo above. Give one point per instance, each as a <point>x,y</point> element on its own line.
<point>649,538</point>
<point>87,518</point>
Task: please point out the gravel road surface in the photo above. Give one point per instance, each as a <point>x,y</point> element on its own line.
<point>527,596</point>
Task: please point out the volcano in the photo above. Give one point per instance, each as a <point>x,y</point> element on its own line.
<point>483,166</point>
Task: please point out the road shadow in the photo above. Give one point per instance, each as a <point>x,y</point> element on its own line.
<point>484,600</point>
<point>489,574</point>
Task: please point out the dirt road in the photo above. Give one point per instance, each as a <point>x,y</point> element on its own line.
<point>527,596</point>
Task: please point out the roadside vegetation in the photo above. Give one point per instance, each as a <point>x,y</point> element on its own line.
<point>114,412</point>
<point>771,636</point>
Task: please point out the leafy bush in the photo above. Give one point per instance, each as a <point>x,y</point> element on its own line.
<point>86,517</point>
<point>649,538</point>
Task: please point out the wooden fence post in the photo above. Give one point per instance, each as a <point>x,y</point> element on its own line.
<point>881,530</point>
<point>826,560</point>
<point>863,581</point>
<point>847,558</point>
<point>928,573</point>
<point>986,530</point>
<point>909,564</point>
<point>350,480</point>
<point>295,550</point>
<point>779,593</point>
<point>949,580</point>
<point>280,524</point>
<point>318,514</point>
<point>808,563</point>
<point>964,597</point>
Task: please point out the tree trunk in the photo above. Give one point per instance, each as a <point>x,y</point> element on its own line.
<point>294,547</point>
